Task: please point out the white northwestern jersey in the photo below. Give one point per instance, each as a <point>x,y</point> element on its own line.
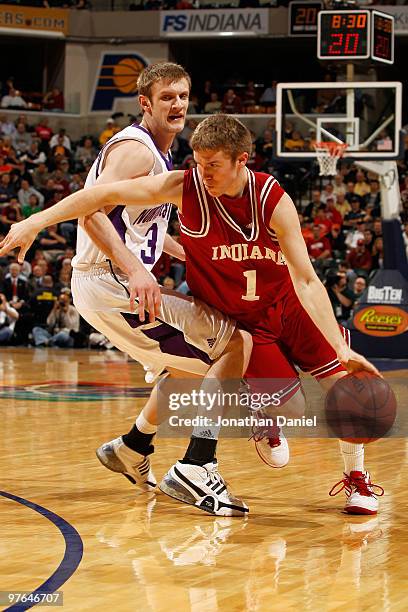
<point>142,229</point>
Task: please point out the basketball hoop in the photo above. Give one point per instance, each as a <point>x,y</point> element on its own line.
<point>328,154</point>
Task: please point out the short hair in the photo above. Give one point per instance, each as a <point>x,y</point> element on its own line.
<point>168,71</point>
<point>222,133</point>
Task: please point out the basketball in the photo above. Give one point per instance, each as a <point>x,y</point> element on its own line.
<point>360,408</point>
<point>125,75</point>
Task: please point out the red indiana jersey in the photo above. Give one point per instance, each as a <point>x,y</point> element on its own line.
<point>234,261</point>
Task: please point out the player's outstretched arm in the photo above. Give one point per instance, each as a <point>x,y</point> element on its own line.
<point>147,191</point>
<point>309,289</point>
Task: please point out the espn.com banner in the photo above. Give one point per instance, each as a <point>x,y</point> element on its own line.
<point>214,22</point>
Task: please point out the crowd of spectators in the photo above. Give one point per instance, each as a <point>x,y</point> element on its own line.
<point>340,220</point>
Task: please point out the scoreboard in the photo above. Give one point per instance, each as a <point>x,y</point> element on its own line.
<point>355,35</point>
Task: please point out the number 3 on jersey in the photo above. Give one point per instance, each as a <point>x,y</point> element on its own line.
<point>149,258</point>
<point>250,295</point>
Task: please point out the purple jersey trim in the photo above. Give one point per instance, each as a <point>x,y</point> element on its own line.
<point>171,340</point>
<point>115,216</point>
<point>168,162</point>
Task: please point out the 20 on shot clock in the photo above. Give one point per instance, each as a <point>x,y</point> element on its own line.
<point>343,35</point>
<point>382,48</point>
<point>355,35</point>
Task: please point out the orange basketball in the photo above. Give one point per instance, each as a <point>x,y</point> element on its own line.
<point>125,75</point>
<point>360,407</point>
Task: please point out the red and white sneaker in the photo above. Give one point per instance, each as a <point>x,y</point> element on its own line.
<point>361,493</point>
<point>271,445</point>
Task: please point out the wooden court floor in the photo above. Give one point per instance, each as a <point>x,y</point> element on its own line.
<point>70,525</point>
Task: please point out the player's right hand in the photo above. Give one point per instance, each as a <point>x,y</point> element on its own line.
<point>144,290</point>
<point>21,235</point>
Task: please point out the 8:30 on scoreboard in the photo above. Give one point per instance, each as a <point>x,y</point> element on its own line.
<point>344,35</point>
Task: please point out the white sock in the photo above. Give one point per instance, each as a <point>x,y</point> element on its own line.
<point>144,426</point>
<point>353,456</point>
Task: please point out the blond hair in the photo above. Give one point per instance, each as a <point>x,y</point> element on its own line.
<point>222,133</point>
<point>161,70</point>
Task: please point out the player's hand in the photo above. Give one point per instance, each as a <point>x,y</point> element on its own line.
<point>354,362</point>
<point>21,234</point>
<point>144,289</point>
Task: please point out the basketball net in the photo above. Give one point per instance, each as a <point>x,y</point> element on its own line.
<point>328,154</point>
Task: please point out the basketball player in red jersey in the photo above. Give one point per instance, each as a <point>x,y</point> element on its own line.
<point>245,256</point>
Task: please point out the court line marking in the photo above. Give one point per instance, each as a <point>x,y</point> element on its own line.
<point>74,549</point>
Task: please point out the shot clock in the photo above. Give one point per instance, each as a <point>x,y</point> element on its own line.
<point>355,35</point>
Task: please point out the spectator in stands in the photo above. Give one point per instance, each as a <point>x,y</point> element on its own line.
<point>15,286</point>
<point>306,226</point>
<point>52,242</point>
<point>13,100</point>
<point>296,142</point>
<point>21,140</point>
<point>378,253</point>
<point>11,213</point>
<point>264,145</point>
<point>319,247</point>
<point>110,130</point>
<point>374,197</point>
<point>54,100</point>
<point>340,296</point>
<point>76,183</point>
<point>5,166</point>
<point>250,96</point>
<point>361,187</point>
<point>231,102</point>
<point>7,127</point>
<point>377,229</point>
<point>34,204</point>
<point>8,319</point>
<point>33,157</point>
<point>359,286</point>
<point>354,235</point>
<point>328,192</point>
<point>35,280</point>
<point>322,220</point>
<point>369,240</point>
<point>24,193</point>
<point>311,209</point>
<point>59,151</point>
<point>61,322</point>
<point>7,189</point>
<point>85,154</point>
<point>43,297</point>
<point>339,186</point>
<point>360,258</point>
<point>44,132</point>
<point>355,215</point>
<point>336,240</point>
<point>268,97</point>
<point>66,142</point>
<point>214,105</point>
<point>350,195</point>
<point>41,176</point>
<point>332,213</point>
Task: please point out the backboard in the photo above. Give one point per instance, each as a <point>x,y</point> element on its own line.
<point>366,115</point>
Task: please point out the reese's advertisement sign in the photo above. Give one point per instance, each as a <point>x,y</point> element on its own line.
<point>383,308</point>
<point>381,320</point>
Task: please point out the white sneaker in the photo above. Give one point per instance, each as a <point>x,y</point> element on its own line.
<point>117,457</point>
<point>359,490</point>
<point>271,445</point>
<point>203,487</point>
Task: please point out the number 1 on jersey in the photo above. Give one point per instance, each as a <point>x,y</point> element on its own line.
<point>250,295</point>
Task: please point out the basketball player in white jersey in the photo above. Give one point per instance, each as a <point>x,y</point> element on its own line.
<point>105,282</point>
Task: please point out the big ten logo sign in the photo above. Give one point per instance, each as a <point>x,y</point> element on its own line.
<point>117,78</point>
